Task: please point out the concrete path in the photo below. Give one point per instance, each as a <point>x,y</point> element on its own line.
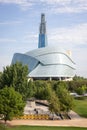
<point>75,122</point>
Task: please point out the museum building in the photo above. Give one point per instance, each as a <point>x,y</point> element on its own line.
<point>47,62</point>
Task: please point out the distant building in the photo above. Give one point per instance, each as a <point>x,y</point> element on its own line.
<point>47,62</point>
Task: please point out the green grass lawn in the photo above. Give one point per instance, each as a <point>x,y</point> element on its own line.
<point>40,128</point>
<point>81,107</point>
<point>44,128</point>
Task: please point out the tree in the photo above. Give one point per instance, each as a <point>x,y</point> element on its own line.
<point>11,103</point>
<point>0,79</point>
<point>42,90</point>
<point>79,78</point>
<point>31,89</point>
<point>66,100</point>
<point>54,103</point>
<point>15,75</point>
<point>81,90</point>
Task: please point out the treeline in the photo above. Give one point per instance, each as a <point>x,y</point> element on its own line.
<point>39,89</point>
<point>56,92</point>
<point>16,76</point>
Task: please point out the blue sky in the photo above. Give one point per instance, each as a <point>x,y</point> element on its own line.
<point>66,27</point>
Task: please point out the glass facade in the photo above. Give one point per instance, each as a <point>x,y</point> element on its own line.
<point>42,33</point>
<point>42,40</point>
<point>47,62</point>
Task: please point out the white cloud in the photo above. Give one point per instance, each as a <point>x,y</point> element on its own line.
<point>66,6</point>
<point>7,40</point>
<point>75,35</point>
<point>56,1</point>
<point>52,6</point>
<point>24,4</point>
<point>10,22</point>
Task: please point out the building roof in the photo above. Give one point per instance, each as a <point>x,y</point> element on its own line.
<point>52,62</point>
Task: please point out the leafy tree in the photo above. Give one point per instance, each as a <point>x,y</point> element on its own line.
<point>75,85</point>
<point>11,103</point>
<point>42,89</point>
<point>79,78</point>
<point>15,75</point>
<point>31,89</point>
<point>81,90</point>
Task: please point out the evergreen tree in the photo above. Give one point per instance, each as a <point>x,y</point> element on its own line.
<point>66,100</point>
<point>54,103</point>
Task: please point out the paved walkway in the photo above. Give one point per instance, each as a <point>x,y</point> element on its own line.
<point>75,122</point>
